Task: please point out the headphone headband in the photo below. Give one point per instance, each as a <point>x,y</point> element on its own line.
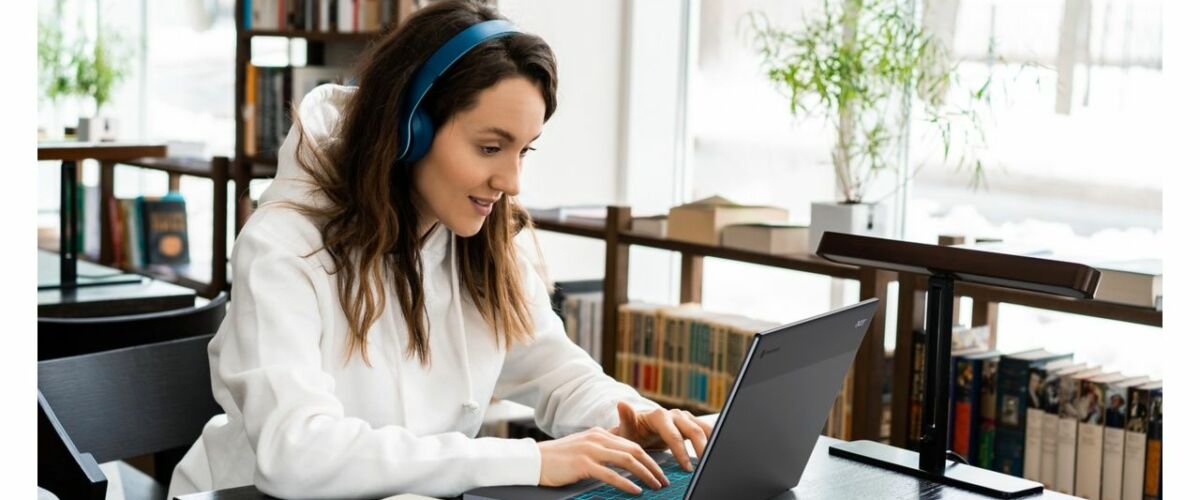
<point>415,136</point>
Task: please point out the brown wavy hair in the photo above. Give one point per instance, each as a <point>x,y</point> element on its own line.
<point>369,228</point>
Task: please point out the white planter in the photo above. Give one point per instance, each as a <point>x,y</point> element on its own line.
<point>96,129</point>
<point>868,219</point>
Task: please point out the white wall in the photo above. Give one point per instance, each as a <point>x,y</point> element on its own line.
<point>610,140</point>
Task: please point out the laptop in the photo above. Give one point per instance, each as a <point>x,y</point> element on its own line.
<point>768,427</point>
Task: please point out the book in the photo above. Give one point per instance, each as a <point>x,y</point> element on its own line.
<point>1137,412</point>
<point>563,289</point>
<point>654,226</point>
<point>1012,392</point>
<point>1073,405</point>
<point>583,213</point>
<point>773,238</point>
<point>1115,411</point>
<point>1089,446</point>
<point>1132,282</point>
<point>164,226</point>
<point>307,78</point>
<point>963,340</point>
<point>1034,413</point>
<point>1051,389</point>
<point>965,412</point>
<point>701,221</point>
<point>1152,486</point>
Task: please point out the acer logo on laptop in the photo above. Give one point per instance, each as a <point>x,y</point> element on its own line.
<point>860,323</point>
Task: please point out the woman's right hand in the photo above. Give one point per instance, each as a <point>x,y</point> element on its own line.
<point>587,455</point>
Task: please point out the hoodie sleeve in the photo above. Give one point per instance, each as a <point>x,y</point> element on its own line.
<point>269,362</point>
<point>567,389</point>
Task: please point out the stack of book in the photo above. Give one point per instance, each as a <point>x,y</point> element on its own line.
<point>682,355</point>
<point>583,214</point>
<point>270,93</point>
<point>343,16</point>
<point>580,304</point>
<point>1073,427</point>
<point>149,231</point>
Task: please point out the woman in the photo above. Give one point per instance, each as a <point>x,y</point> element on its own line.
<point>378,305</point>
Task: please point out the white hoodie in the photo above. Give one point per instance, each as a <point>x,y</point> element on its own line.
<point>301,422</point>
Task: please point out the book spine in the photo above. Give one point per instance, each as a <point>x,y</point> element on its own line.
<point>1114,446</point>
<point>987,413</point>
<point>960,420</point>
<point>973,396</point>
<point>1068,431</point>
<point>1089,445</point>
<point>1034,415</point>
<point>597,329</point>
<point>916,390</point>
<point>1010,406</point>
<point>1152,489</point>
<point>1049,474</point>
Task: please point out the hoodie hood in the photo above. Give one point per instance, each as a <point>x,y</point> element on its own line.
<point>320,113</point>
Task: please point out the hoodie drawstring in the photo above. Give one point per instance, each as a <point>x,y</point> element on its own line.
<point>469,403</point>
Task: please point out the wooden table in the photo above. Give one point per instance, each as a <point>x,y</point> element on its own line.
<point>109,292</point>
<point>70,153</point>
<point>824,477</point>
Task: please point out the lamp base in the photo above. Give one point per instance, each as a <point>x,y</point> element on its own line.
<point>967,477</point>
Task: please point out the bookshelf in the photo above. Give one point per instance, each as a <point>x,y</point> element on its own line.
<point>863,388</point>
<point>206,278</point>
<point>247,165</point>
<point>984,311</point>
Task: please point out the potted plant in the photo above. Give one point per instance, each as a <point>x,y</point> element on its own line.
<point>97,72</point>
<point>855,66</point>
<point>55,76</point>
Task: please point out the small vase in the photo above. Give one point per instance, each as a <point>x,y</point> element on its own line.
<point>867,219</point>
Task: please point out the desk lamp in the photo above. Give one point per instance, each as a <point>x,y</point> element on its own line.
<point>944,266</point>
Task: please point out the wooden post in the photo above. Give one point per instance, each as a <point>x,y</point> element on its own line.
<point>241,195</point>
<point>910,319</point>
<point>692,278</point>
<point>986,313</point>
<point>220,179</point>
<point>867,376</point>
<point>106,197</point>
<point>616,281</point>
<point>173,182</point>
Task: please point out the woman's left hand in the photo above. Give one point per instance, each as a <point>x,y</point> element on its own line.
<point>659,428</point>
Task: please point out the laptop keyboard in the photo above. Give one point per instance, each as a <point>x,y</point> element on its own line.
<point>678,477</point>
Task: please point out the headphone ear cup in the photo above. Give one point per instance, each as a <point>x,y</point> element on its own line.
<point>421,135</point>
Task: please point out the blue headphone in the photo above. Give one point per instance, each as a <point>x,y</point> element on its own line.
<point>416,127</point>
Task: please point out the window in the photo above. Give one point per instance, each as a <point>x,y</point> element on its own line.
<point>179,90</point>
<point>1074,163</point>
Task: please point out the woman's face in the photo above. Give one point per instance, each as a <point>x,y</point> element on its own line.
<point>476,155</point>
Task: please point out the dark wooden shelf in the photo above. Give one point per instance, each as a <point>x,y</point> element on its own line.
<point>196,275</point>
<point>1107,310</point>
<point>797,262</point>
<point>316,36</point>
<point>573,228</point>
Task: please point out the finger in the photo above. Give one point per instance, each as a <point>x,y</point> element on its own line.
<point>627,417</point>
<point>616,480</point>
<point>708,427</point>
<point>627,461</point>
<point>665,426</point>
<point>640,454</point>
<point>692,431</point>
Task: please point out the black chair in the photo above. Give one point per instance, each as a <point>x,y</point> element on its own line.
<point>147,399</point>
<point>72,474</point>
<point>61,337</point>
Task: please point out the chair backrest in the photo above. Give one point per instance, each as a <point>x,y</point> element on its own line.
<point>61,468</point>
<point>61,337</point>
<point>132,401</point>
